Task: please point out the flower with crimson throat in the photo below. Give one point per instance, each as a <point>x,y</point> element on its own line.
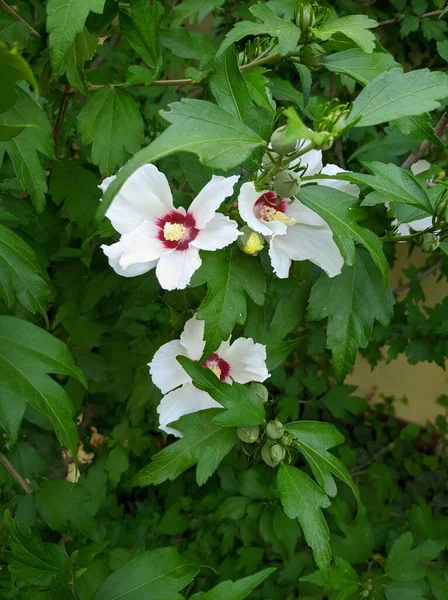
<point>155,234</point>
<point>242,361</point>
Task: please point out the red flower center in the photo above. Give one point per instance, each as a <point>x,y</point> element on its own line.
<point>177,230</point>
<point>220,367</point>
<point>270,200</point>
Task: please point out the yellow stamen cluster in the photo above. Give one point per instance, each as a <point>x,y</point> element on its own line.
<point>215,369</point>
<point>269,213</point>
<point>174,232</point>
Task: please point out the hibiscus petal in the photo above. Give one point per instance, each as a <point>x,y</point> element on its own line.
<point>192,338</point>
<point>311,160</point>
<point>343,186</point>
<point>218,233</point>
<point>175,270</point>
<point>246,201</point>
<point>247,360</point>
<point>145,195</point>
<point>303,214</point>
<point>166,372</point>
<point>142,245</point>
<point>316,244</point>
<point>420,167</point>
<point>180,402</point>
<point>114,253</point>
<point>280,261</point>
<point>210,198</point>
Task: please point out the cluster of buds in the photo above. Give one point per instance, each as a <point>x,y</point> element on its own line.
<point>252,50</point>
<point>333,120</point>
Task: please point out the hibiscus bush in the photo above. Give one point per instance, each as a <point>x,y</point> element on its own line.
<point>200,204</point>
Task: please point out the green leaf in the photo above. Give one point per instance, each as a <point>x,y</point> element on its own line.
<point>117,464</point>
<point>341,580</point>
<point>7,132</point>
<point>351,302</point>
<point>205,444</point>
<point>24,148</point>
<point>111,122</point>
<point>286,32</point>
<point>160,573</point>
<point>229,275</point>
<point>231,92</point>
<point>27,354</point>
<point>404,563</point>
<point>219,139</point>
<point>234,590</point>
<point>302,499</point>
<point>342,212</point>
<point>13,68</point>
<point>141,30</point>
<point>434,29</point>
<point>82,49</point>
<point>442,49</point>
<point>32,560</point>
<point>194,10</point>
<point>395,94</point>
<point>358,65</point>
<point>66,18</point>
<point>64,506</point>
<point>438,585</point>
<point>313,439</point>
<point>188,44</point>
<point>411,590</point>
<point>243,406</point>
<point>421,127</point>
<point>394,184</point>
<point>22,277</point>
<point>342,404</point>
<point>77,186</point>
<point>305,80</point>
<point>355,27</point>
<point>258,86</point>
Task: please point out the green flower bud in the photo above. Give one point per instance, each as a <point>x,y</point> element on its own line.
<point>275,429</point>
<point>287,439</point>
<point>305,19</point>
<point>279,143</point>
<point>311,55</point>
<point>429,242</point>
<point>251,242</point>
<point>260,390</point>
<point>248,434</point>
<point>286,184</point>
<point>272,455</point>
<point>266,161</point>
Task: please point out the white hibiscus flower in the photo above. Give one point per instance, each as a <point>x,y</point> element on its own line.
<point>242,361</point>
<point>420,224</point>
<point>294,231</point>
<point>154,234</point>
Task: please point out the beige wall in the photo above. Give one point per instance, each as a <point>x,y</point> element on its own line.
<point>421,383</point>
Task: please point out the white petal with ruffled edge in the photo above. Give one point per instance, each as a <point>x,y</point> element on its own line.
<point>175,270</point>
<point>114,252</point>
<point>247,198</point>
<point>192,338</point>
<point>166,372</point>
<point>180,402</point>
<point>145,195</point>
<point>280,261</point>
<point>247,360</point>
<point>303,214</point>
<point>218,233</point>
<point>142,245</point>
<point>316,244</point>
<point>418,225</point>
<point>338,184</point>
<point>210,198</point>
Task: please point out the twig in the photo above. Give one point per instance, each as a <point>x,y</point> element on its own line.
<point>17,17</point>
<point>434,13</point>
<point>180,82</point>
<point>420,276</point>
<point>20,480</point>
<point>375,457</point>
<point>439,130</point>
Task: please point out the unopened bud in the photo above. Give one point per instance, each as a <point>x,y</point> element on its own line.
<point>272,455</point>
<point>429,242</point>
<point>275,429</point>
<point>280,144</point>
<point>266,162</point>
<point>305,19</point>
<point>311,55</point>
<point>248,434</point>
<point>260,390</point>
<point>286,184</point>
<point>327,144</point>
<point>250,242</point>
<point>287,439</point>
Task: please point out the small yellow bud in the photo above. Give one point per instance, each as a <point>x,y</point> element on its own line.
<point>251,242</point>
